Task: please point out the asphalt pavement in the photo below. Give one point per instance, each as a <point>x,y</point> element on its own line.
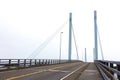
<point>51,72</point>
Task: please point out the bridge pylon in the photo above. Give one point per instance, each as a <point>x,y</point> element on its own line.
<point>70,37</point>
<point>95,37</point>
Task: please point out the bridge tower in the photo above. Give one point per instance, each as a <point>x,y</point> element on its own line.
<point>70,37</point>
<point>95,37</point>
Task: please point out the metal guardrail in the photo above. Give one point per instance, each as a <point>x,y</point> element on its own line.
<point>8,64</point>
<point>113,67</point>
<point>105,77</point>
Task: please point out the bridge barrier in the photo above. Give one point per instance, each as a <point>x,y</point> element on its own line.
<point>110,68</point>
<point>8,64</point>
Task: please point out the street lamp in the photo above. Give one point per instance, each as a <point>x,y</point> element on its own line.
<point>60,46</point>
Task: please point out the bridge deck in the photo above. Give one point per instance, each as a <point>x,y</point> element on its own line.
<point>91,73</point>
<point>67,71</point>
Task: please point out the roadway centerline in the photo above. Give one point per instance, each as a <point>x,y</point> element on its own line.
<point>37,72</point>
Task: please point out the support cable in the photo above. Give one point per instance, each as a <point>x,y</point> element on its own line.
<point>46,42</point>
<point>100,45</point>
<point>75,42</point>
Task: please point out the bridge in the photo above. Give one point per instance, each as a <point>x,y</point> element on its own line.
<point>61,69</point>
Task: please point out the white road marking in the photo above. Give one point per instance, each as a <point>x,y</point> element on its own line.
<point>72,72</point>
<point>58,71</point>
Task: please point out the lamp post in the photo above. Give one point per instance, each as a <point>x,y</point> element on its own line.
<point>60,46</point>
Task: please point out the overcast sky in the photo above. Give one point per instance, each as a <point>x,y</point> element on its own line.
<point>26,24</point>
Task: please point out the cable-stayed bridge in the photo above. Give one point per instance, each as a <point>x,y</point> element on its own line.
<point>61,69</point>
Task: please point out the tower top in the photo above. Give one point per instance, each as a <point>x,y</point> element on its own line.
<point>95,14</point>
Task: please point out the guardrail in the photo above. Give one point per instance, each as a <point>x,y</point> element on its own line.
<point>8,64</point>
<point>110,68</point>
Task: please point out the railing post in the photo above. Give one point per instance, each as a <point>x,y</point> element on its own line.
<point>18,63</point>
<point>43,61</point>
<point>106,63</point>
<point>30,62</point>
<point>9,63</point>
<point>35,63</point>
<point>24,62</point>
<point>39,61</point>
<point>46,61</point>
<point>111,66</point>
<point>118,68</point>
<point>51,61</point>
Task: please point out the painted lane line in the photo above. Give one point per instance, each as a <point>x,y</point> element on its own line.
<point>12,78</point>
<point>73,72</point>
<point>59,71</point>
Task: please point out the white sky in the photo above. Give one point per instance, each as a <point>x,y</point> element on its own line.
<point>26,24</point>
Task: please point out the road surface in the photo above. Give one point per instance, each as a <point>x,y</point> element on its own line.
<point>51,72</point>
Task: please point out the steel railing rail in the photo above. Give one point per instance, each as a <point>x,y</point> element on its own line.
<point>8,64</point>
<point>102,72</point>
<point>112,66</point>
